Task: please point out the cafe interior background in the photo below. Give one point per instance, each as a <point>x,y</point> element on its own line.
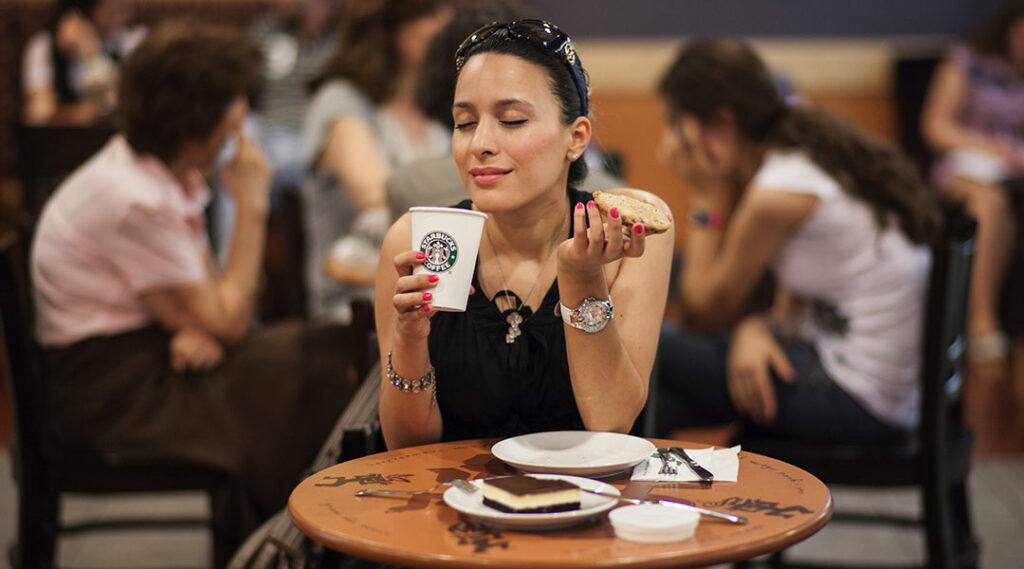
<point>864,60</point>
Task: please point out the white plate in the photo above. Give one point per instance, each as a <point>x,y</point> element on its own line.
<point>581,453</point>
<point>472,505</point>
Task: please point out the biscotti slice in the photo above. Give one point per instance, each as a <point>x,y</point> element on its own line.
<point>528,495</point>
<point>633,211</point>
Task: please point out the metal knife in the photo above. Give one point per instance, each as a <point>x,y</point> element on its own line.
<point>721,515</point>
<point>697,469</point>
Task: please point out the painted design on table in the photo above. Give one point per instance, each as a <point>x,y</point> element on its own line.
<point>755,505</point>
<point>482,538</point>
<point>366,479</point>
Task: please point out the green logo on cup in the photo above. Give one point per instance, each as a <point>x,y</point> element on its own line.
<point>441,249</point>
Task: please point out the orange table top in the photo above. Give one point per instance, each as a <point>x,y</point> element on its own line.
<point>783,504</point>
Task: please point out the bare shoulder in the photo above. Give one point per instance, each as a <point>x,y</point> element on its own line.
<point>398,237</point>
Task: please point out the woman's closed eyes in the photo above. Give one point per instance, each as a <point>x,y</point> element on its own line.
<point>508,123</point>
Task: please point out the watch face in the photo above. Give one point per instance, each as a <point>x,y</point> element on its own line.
<point>592,315</point>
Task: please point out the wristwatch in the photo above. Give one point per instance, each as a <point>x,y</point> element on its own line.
<point>591,316</point>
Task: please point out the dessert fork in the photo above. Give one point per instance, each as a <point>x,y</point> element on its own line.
<point>458,483</point>
<point>666,463</point>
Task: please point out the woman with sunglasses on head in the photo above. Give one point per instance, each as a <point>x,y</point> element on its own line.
<point>509,365</point>
<point>840,220</point>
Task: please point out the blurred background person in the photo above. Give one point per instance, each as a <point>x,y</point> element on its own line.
<point>839,218</point>
<point>69,70</point>
<point>297,37</point>
<point>435,181</point>
<point>363,121</point>
<point>148,344</point>
<point>974,120</point>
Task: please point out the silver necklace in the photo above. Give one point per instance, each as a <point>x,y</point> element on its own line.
<point>514,317</point>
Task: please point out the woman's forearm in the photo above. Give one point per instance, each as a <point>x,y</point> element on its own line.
<point>408,418</point>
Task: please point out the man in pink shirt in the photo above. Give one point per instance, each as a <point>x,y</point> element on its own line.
<point>149,344</point>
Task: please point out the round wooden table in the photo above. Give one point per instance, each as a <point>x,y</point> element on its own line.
<point>783,504</point>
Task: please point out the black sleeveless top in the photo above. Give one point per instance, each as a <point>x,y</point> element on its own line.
<point>489,388</point>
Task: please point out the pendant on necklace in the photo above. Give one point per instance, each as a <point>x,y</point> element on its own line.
<point>514,320</point>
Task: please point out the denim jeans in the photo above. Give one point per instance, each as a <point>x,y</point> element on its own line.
<point>693,392</point>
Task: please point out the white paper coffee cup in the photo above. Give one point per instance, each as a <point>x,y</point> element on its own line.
<point>450,237</point>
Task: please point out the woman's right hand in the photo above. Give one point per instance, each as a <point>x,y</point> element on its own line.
<point>247,175</point>
<point>413,299</point>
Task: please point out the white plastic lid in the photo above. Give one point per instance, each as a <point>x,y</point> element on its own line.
<point>653,523</point>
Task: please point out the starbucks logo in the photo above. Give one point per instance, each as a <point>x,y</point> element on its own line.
<point>441,249</point>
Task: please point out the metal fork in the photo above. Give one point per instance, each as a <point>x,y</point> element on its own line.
<point>666,463</point>
<point>460,484</point>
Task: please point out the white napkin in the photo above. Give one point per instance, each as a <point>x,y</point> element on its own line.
<point>723,463</point>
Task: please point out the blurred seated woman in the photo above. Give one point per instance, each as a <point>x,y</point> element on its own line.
<point>362,121</point>
<point>512,363</point>
<point>839,219</point>
<point>69,70</point>
<point>147,343</point>
<point>974,119</point>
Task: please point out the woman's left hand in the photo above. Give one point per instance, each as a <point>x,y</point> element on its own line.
<point>192,349</point>
<point>754,354</point>
<point>603,242</point>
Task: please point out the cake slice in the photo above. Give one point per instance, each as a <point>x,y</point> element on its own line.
<point>528,495</point>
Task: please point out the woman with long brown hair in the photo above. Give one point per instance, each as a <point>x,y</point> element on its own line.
<point>361,122</point>
<point>838,218</point>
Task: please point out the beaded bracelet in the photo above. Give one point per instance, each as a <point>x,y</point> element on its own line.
<point>411,385</point>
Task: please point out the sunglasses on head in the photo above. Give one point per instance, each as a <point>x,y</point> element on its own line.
<point>542,34</point>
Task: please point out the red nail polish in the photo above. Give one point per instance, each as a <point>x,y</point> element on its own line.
<point>591,204</point>
<point>579,205</point>
<point>614,212</point>
<point>421,255</point>
<point>638,229</point>
<point>426,308</point>
<point>432,278</point>
<point>427,296</point>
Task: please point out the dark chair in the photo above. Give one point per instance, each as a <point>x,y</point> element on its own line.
<point>278,543</point>
<point>284,267</point>
<point>912,75</point>
<point>44,471</point>
<point>936,458</point>
<point>48,153</point>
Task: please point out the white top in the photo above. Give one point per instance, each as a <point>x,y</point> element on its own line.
<point>120,226</point>
<point>866,287</point>
<point>37,59</point>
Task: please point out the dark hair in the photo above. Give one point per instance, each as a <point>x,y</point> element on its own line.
<point>714,75</point>
<point>435,87</point>
<point>178,83</point>
<point>562,84</point>
<point>60,61</point>
<point>991,37</point>
<point>367,52</point>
